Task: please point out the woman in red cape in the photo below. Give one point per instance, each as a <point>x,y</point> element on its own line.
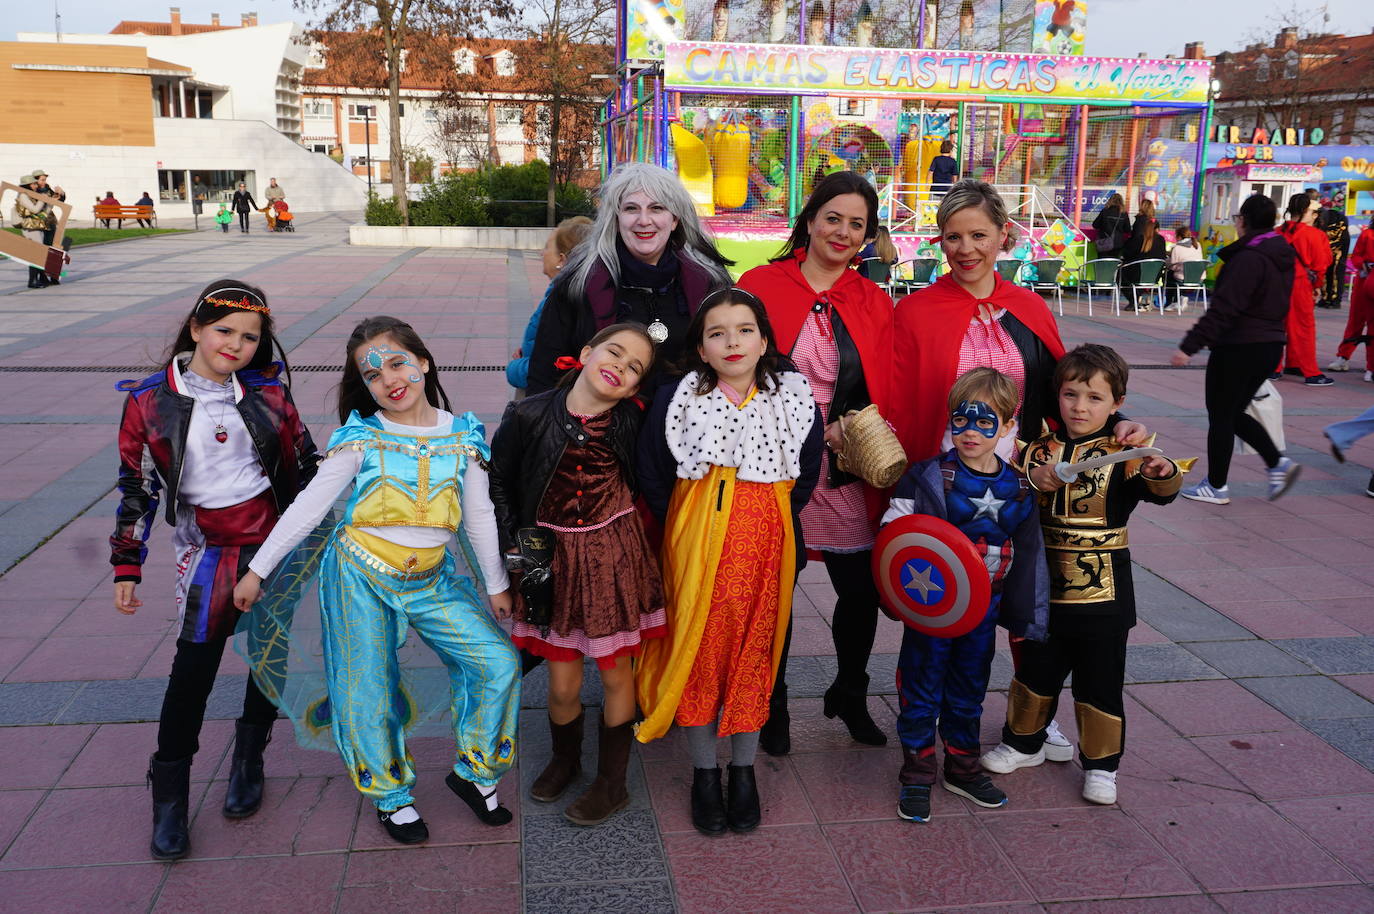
<point>836,326</point>
<point>972,318</point>
<point>1314,257</point>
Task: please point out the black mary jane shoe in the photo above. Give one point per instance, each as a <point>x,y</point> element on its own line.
<point>742,800</point>
<point>409,833</point>
<point>469,794</point>
<point>708,802</point>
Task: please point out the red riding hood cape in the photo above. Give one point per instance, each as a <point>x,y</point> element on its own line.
<point>928,330</point>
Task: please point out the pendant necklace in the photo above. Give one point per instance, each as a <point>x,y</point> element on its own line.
<point>221,433</point>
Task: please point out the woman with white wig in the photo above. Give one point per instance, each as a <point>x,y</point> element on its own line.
<point>646,259</point>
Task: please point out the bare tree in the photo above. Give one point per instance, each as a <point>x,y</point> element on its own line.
<point>570,46</point>
<point>400,29</point>
<point>1293,74</point>
<point>464,133</point>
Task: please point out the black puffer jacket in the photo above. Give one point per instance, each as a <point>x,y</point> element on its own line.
<point>1250,304</point>
<point>527,448</point>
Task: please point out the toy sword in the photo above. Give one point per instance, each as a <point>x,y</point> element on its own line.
<point>1069,471</point>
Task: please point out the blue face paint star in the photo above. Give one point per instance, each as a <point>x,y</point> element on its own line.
<point>376,357</point>
<point>976,415</point>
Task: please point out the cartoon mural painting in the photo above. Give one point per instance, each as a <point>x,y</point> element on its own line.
<point>1060,26</point>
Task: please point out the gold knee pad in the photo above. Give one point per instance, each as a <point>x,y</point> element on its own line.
<point>1099,734</point>
<point>1027,712</point>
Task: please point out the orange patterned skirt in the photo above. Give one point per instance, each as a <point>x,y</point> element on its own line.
<point>733,673</point>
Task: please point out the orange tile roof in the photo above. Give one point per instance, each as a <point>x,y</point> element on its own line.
<point>136,27</point>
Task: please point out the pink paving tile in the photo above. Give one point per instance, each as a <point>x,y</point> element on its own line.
<point>898,865</point>
<point>1051,786</point>
<point>1330,899</point>
<point>64,890</point>
<point>448,818</point>
<point>1240,846</point>
<point>1362,683</point>
<point>13,651</point>
<point>277,884</point>
<point>1287,764</point>
<point>96,615</point>
<point>117,754</point>
<point>23,616</point>
<point>1173,772</point>
<point>1342,825</point>
<point>1171,904</point>
<point>89,826</point>
<point>811,637</point>
<point>1143,634</point>
<point>86,657</point>
<point>1284,618</point>
<point>15,807</point>
<point>1316,581</point>
<point>1211,586</point>
<point>481,878</point>
<point>1328,550</point>
<point>780,793</point>
<point>1209,707</point>
<point>847,786</point>
<point>1060,856</point>
<point>298,816</point>
<point>1353,612</point>
<point>37,756</point>
<point>285,758</point>
<point>777,869</point>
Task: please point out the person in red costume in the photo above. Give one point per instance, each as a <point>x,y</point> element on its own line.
<point>972,318</point>
<point>836,326</point>
<point>1361,321</point>
<point>1314,256</point>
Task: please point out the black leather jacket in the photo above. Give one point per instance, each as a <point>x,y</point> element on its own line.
<point>527,448</point>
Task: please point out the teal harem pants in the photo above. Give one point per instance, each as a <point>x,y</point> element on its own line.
<point>365,607</point>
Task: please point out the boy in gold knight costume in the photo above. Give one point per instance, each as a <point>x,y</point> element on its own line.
<point>1092,600</point>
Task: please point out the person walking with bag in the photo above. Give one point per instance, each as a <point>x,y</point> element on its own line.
<point>1110,225</point>
<point>1245,330</point>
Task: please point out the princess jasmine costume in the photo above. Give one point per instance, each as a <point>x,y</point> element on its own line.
<point>387,567</point>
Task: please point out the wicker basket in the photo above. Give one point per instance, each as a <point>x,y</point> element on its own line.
<point>870,450</point>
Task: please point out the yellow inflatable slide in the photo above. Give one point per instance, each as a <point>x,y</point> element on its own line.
<point>694,168</point>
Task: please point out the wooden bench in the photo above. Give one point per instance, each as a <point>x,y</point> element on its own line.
<point>106,212</point>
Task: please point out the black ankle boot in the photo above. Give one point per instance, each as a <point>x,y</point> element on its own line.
<point>742,802</point>
<point>776,736</point>
<point>244,795</point>
<point>851,706</point>
<point>708,804</point>
<point>171,784</point>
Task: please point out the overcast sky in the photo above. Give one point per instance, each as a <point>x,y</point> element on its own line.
<point>1116,28</point>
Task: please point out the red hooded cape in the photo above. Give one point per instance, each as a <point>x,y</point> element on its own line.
<point>865,309</point>
<point>929,328</point>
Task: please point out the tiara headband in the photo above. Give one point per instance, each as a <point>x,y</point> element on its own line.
<point>242,304</point>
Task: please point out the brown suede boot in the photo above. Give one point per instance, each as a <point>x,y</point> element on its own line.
<point>566,763</point>
<point>607,795</point>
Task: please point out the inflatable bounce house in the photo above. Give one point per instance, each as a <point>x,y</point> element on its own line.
<point>752,102</point>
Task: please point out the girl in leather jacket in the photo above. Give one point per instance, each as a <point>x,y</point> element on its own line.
<point>217,432</point>
<point>563,484</point>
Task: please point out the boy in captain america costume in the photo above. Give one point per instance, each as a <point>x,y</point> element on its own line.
<point>943,678</point>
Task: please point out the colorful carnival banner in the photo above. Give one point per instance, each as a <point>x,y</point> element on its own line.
<point>790,69</point>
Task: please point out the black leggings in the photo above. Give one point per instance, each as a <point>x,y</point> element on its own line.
<point>243,220</point>
<point>1234,373</point>
<point>855,621</point>
<point>188,688</point>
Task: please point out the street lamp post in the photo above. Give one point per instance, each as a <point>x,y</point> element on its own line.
<point>367,138</point>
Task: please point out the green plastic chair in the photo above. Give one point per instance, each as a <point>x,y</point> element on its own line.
<point>1010,270</point>
<point>1194,279</point>
<point>1046,279</point>
<point>1099,275</point>
<point>1148,279</point>
<point>922,273</point>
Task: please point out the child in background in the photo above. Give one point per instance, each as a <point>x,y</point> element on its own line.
<point>562,240</point>
<point>728,458</point>
<point>418,477</point>
<point>223,217</point>
<point>945,679</point>
<point>1092,601</point>
<point>217,430</point>
<point>562,471</point>
<point>1185,250</point>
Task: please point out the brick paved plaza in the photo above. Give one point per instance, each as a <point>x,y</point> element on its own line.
<point>1247,784</point>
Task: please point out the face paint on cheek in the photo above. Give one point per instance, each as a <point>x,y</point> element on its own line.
<point>968,414</point>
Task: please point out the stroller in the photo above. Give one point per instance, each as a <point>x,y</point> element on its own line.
<point>279,217</point>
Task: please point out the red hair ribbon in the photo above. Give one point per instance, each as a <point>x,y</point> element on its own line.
<point>566,362</point>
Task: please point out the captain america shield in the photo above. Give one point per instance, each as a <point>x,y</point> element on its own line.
<point>930,576</point>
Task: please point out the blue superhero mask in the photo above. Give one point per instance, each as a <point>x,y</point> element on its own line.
<point>975,415</point>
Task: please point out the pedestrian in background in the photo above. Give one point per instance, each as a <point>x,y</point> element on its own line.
<point>243,204</point>
<point>1313,257</point>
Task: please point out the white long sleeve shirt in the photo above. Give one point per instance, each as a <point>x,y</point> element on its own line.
<point>338,471</point>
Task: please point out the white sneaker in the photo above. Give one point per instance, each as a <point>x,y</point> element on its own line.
<point>1369,377</point>
<point>1339,364</point>
<point>1004,759</point>
<point>1057,746</point>
<point>1099,786</point>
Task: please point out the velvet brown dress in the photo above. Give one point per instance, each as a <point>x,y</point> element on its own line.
<point>608,595</point>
